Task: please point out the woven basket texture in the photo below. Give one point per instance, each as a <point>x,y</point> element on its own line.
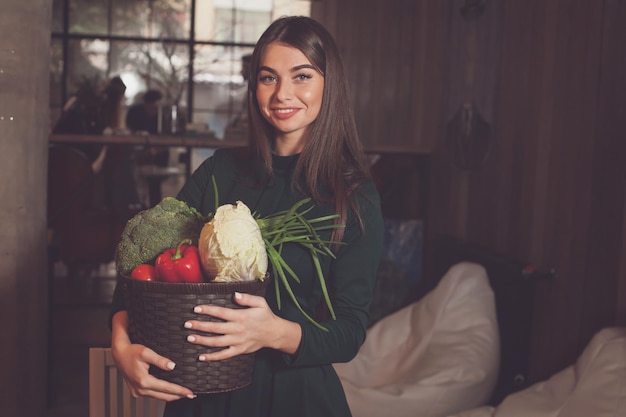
<point>157,312</point>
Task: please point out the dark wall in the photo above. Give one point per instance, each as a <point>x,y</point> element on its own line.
<point>24,65</point>
<point>524,103</point>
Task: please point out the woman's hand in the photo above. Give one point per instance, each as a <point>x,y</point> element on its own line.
<point>244,330</point>
<point>134,361</point>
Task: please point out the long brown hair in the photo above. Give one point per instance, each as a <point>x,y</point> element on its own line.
<point>332,163</point>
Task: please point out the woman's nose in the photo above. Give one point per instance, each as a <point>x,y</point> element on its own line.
<point>284,91</point>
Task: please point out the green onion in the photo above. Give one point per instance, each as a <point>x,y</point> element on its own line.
<point>290,226</point>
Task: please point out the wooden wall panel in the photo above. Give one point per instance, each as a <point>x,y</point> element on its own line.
<point>621,288</point>
<point>473,51</point>
<point>536,198</point>
<point>548,76</point>
<point>427,76</point>
<point>606,243</point>
<point>573,75</point>
<point>394,65</point>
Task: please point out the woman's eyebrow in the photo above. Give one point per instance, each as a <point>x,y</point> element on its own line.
<point>294,69</point>
<point>303,66</point>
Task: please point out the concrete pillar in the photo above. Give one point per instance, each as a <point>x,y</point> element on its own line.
<point>24,74</point>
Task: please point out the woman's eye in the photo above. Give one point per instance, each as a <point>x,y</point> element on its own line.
<point>303,77</point>
<point>267,79</point>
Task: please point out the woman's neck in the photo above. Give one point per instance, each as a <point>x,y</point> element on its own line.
<point>285,145</point>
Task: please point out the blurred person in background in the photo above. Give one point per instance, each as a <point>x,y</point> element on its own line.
<point>144,115</point>
<point>99,110</point>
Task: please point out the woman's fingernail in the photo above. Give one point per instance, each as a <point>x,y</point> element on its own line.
<point>201,358</point>
<point>191,339</point>
<point>187,325</point>
<point>197,309</point>
<point>191,396</point>
<point>171,366</point>
<point>238,295</point>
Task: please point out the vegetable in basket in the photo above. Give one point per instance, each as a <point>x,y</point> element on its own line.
<point>144,272</point>
<point>151,232</point>
<point>179,264</point>
<point>235,246</point>
<point>231,246</point>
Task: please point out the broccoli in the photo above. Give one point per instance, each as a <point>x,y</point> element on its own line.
<point>152,231</point>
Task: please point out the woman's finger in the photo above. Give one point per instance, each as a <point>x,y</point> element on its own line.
<point>249,300</point>
<point>163,390</point>
<point>219,355</point>
<point>150,356</point>
<point>228,314</point>
<point>215,327</point>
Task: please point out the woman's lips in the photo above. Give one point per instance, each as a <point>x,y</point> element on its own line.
<point>284,113</point>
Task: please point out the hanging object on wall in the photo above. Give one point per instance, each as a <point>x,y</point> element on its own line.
<point>468,138</point>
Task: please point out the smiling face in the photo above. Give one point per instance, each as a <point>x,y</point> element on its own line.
<point>289,93</point>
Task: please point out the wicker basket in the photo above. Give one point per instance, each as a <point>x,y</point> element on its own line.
<point>157,312</point>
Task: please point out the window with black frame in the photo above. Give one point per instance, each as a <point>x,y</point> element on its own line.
<point>189,50</point>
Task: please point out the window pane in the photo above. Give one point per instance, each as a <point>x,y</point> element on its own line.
<point>205,20</point>
<point>250,25</point>
<point>219,87</point>
<point>157,65</point>
<point>130,18</point>
<point>56,72</point>
<point>291,8</point>
<point>88,16</point>
<point>56,79</point>
<point>161,62</point>
<point>57,16</point>
<point>130,60</point>
<point>232,21</point>
<point>87,59</point>
<point>169,19</point>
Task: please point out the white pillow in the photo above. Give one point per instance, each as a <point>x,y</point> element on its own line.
<point>434,357</point>
<point>484,411</point>
<point>595,386</point>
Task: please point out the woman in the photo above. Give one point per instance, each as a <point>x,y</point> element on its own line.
<point>303,142</point>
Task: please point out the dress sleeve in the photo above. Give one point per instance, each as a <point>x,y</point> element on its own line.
<point>353,276</point>
<point>196,189</point>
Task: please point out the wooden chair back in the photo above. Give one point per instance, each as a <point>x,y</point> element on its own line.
<point>108,394</point>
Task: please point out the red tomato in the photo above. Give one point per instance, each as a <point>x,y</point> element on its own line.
<point>144,272</point>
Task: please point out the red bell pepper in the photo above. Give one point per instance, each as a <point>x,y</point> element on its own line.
<point>144,272</point>
<point>179,264</point>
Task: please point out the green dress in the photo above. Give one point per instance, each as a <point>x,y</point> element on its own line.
<point>304,384</point>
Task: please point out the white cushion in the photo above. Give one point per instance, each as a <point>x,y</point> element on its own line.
<point>595,386</point>
<point>436,356</point>
<point>484,411</point>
